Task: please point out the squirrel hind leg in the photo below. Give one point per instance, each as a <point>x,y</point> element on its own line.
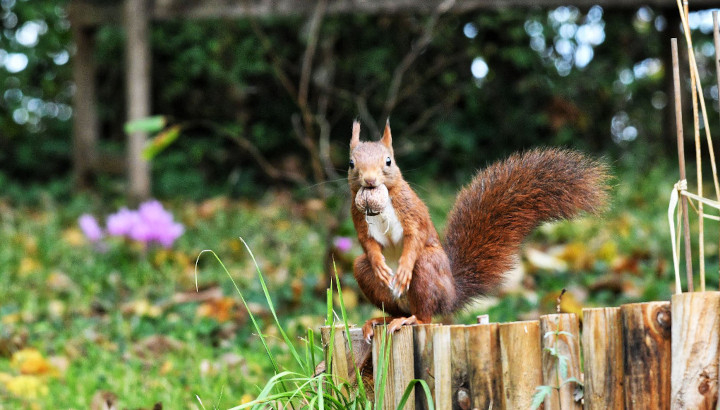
<point>399,322</point>
<point>368,328</point>
<point>393,325</point>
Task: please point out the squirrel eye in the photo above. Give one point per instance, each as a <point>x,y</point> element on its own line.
<point>388,161</point>
<point>352,164</point>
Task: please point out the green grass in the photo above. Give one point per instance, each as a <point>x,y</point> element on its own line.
<point>66,299</point>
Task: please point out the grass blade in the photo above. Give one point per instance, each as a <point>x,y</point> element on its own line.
<point>252,317</point>
<point>289,343</point>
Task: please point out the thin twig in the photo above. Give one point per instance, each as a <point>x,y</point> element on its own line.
<point>716,39</point>
<point>698,85</point>
<point>415,50</point>
<point>681,159</point>
<point>268,168</point>
<point>313,35</point>
<point>698,166</point>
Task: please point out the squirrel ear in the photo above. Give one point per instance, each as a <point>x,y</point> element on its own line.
<point>355,139</point>
<point>387,136</point>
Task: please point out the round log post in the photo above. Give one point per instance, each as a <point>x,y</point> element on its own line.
<point>646,332</point>
<point>424,363</point>
<point>442,356</point>
<point>484,366</point>
<point>602,340</point>
<point>400,367</point>
<point>520,355</point>
<point>459,368</point>
<point>561,333</point>
<point>695,343</point>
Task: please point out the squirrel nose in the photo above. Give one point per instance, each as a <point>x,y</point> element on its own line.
<point>370,181</point>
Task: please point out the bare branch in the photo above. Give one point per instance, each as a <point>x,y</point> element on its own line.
<point>265,166</point>
<point>313,35</point>
<point>416,49</point>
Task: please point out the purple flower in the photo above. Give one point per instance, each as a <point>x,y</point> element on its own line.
<point>342,243</point>
<point>150,223</point>
<point>122,222</point>
<point>153,214</point>
<point>90,227</point>
<point>169,234</point>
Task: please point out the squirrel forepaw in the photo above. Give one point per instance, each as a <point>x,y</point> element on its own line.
<point>384,273</point>
<point>401,282</point>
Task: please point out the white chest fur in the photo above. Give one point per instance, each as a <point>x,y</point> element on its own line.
<point>386,228</point>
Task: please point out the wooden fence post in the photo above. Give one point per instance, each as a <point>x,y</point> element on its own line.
<point>646,333</point>
<point>424,362</point>
<point>484,366</point>
<point>695,344</point>
<point>459,368</point>
<point>400,366</point>
<point>344,360</point>
<point>443,369</point>
<point>602,339</point>
<point>567,347</point>
<point>521,362</point>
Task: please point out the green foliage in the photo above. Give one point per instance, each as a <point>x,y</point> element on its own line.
<point>447,123</point>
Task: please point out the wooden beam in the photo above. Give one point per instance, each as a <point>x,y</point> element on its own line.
<point>85,119</point>
<point>92,13</point>
<point>137,63</point>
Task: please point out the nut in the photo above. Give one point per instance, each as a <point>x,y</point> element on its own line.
<point>372,201</point>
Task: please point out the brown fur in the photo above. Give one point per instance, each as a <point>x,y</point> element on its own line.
<point>505,202</point>
<point>489,221</point>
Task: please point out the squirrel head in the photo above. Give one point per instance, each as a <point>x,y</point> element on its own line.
<point>372,163</point>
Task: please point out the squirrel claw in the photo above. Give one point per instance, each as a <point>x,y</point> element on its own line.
<point>397,323</point>
<point>368,331</point>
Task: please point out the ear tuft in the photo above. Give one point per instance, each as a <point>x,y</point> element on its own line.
<point>355,139</point>
<point>387,136</point>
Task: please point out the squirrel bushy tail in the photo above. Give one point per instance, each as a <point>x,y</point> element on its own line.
<point>505,202</point>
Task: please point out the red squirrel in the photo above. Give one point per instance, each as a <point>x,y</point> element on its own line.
<point>408,272</point>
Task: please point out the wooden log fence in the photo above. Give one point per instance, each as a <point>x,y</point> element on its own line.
<point>655,355</point>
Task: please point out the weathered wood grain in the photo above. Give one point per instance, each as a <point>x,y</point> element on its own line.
<point>695,344</point>
<point>602,340</point>
<point>484,366</point>
<point>521,362</point>
<point>567,347</point>
<point>646,335</point>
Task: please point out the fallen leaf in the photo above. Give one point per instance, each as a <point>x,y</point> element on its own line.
<point>219,309</point>
<point>141,307</point>
<point>154,346</point>
<point>545,261</point>
<point>27,386</point>
<point>607,252</point>
<point>626,264</point>
<point>202,296</point>
<point>210,207</point>
<point>28,265</point>
<point>59,282</point>
<point>11,318</point>
<point>73,237</point>
<point>166,367</point>
<point>104,400</point>
<point>56,309</point>
<point>29,243</point>
<point>60,363</point>
<point>232,360</point>
<point>576,254</point>
<point>31,361</point>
